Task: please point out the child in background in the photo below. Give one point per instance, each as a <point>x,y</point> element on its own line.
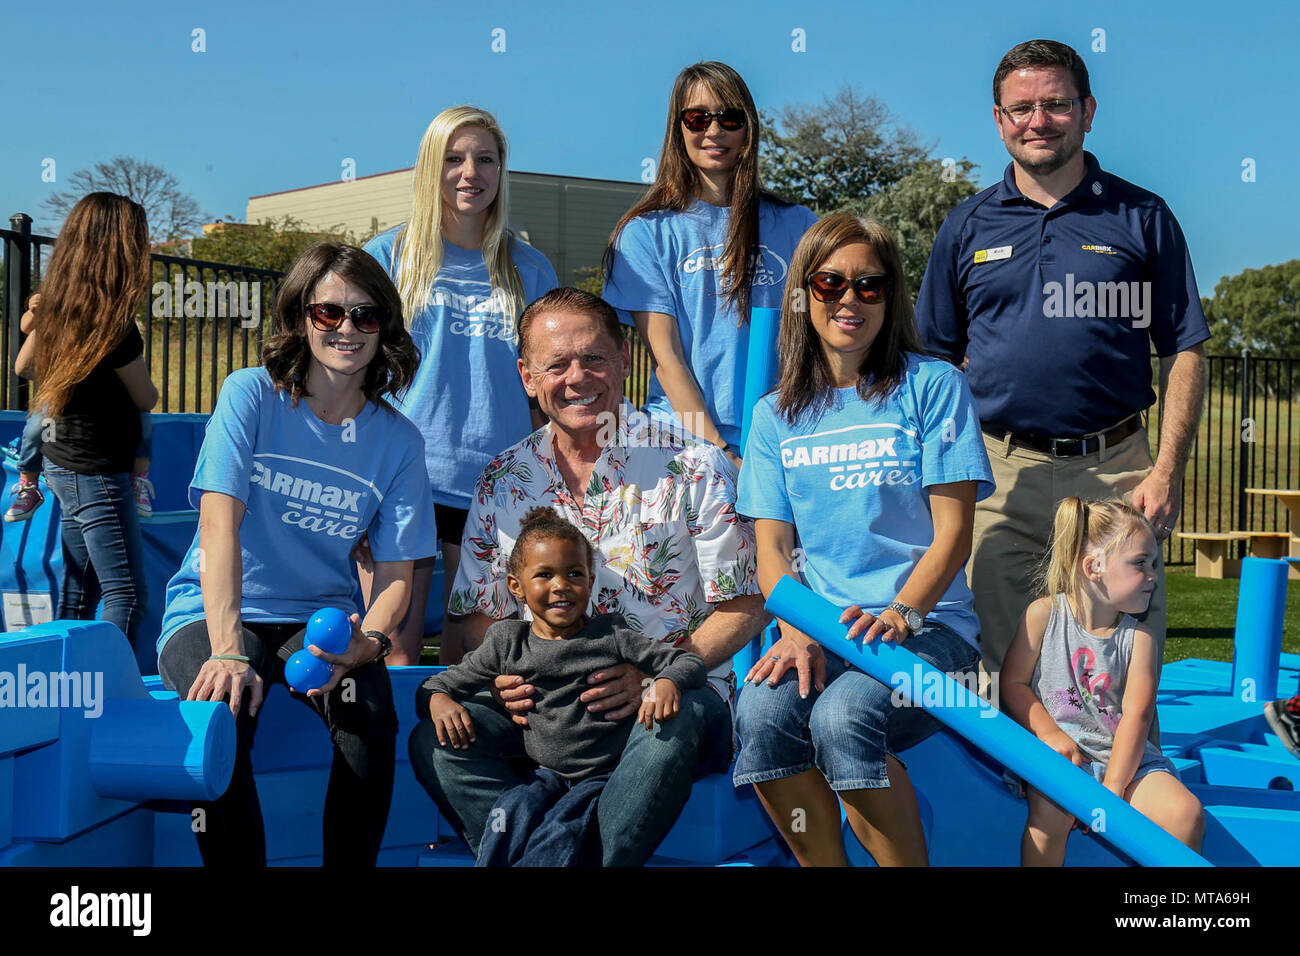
<point>1082,674</point>
<point>550,570</point>
<point>27,493</point>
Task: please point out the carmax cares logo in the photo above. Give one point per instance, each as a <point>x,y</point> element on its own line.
<point>770,269</point>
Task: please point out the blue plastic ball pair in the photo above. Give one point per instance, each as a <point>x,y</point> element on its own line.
<point>329,629</point>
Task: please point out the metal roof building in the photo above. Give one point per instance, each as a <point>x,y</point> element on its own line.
<point>568,218</point>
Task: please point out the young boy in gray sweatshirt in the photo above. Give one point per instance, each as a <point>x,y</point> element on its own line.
<point>550,570</point>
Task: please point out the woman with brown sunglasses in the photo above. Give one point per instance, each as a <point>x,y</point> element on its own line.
<point>868,456</point>
<point>301,457</point>
<point>686,263</point>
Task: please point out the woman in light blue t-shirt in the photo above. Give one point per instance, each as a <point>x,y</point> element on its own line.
<point>862,470</point>
<point>687,262</point>
<point>464,280</point>
<point>301,457</point>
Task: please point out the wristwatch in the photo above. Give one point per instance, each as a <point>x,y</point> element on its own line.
<point>911,617</point>
<point>385,645</point>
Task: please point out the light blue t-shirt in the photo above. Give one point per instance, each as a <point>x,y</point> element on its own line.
<point>671,262</point>
<point>853,482</point>
<point>466,399</point>
<point>309,490</point>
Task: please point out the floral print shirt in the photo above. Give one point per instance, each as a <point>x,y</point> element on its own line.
<point>659,512</point>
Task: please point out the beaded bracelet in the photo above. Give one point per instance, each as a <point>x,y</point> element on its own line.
<point>229,657</point>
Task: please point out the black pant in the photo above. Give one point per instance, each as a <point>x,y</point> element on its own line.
<point>363,728</point>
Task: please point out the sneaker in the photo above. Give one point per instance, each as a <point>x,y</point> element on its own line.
<point>143,488</point>
<point>27,498</point>
<point>1284,717</point>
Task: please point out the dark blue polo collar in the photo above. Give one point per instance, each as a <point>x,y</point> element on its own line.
<point>1093,187</point>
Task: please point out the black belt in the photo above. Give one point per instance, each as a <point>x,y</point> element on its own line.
<point>1068,447</point>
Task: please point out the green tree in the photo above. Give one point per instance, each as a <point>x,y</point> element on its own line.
<point>1256,309</point>
<point>269,244</point>
<point>849,152</point>
<point>589,279</point>
<point>914,207</point>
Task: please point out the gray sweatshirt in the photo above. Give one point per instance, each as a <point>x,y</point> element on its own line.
<point>562,735</point>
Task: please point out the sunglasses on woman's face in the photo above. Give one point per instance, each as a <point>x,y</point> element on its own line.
<point>327,317</point>
<point>830,286</point>
<point>698,120</point>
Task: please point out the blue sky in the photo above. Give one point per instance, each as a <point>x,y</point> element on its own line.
<point>284,93</point>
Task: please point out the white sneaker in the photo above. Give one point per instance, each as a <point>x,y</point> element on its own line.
<point>143,489</point>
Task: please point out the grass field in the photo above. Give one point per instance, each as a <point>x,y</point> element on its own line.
<point>1202,616</point>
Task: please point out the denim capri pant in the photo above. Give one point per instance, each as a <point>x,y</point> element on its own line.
<point>848,729</point>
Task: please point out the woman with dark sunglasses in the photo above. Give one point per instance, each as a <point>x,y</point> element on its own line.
<point>464,280</point>
<point>868,457</point>
<point>686,263</point>
<point>301,457</point>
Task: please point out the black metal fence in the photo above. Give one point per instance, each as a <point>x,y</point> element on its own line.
<point>201,322</point>
<point>1249,437</point>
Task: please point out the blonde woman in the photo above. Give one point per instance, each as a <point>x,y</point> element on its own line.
<point>464,279</point>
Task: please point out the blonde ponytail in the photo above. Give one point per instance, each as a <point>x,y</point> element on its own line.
<point>1078,525</point>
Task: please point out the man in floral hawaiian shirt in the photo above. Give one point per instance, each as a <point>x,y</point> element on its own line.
<point>672,557</point>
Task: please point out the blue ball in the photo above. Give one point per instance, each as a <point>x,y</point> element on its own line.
<point>330,630</point>
<point>305,671</point>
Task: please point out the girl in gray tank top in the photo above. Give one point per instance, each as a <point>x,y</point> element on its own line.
<point>1082,674</point>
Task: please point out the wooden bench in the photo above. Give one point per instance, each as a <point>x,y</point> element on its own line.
<point>1212,558</point>
<point>1267,544</point>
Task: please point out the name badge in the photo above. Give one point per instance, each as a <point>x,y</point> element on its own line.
<point>993,255</point>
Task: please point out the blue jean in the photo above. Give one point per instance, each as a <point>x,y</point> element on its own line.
<point>640,803</point>
<point>29,450</point>
<point>848,729</point>
<point>102,552</point>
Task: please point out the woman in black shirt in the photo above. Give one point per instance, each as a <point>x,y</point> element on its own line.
<point>93,383</point>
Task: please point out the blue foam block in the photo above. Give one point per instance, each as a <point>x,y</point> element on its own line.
<point>1252,836</point>
<point>1232,764</point>
<point>6,801</point>
<point>53,794</point>
<point>148,749</point>
<point>1257,641</point>
<point>24,654</point>
<point>124,840</point>
<point>760,362</point>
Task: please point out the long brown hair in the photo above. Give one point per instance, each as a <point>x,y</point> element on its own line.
<point>678,180</point>
<point>805,378</point>
<point>287,354</point>
<point>97,277</point>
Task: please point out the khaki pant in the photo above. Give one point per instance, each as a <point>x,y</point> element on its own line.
<point>1013,528</point>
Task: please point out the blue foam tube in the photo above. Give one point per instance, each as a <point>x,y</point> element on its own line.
<point>760,363</point>
<point>995,733</point>
<point>1257,643</point>
<point>147,749</point>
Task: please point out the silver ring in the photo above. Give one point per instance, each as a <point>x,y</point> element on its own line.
<point>774,659</point>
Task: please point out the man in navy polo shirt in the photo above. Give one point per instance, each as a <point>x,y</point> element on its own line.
<point>1052,288</point>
